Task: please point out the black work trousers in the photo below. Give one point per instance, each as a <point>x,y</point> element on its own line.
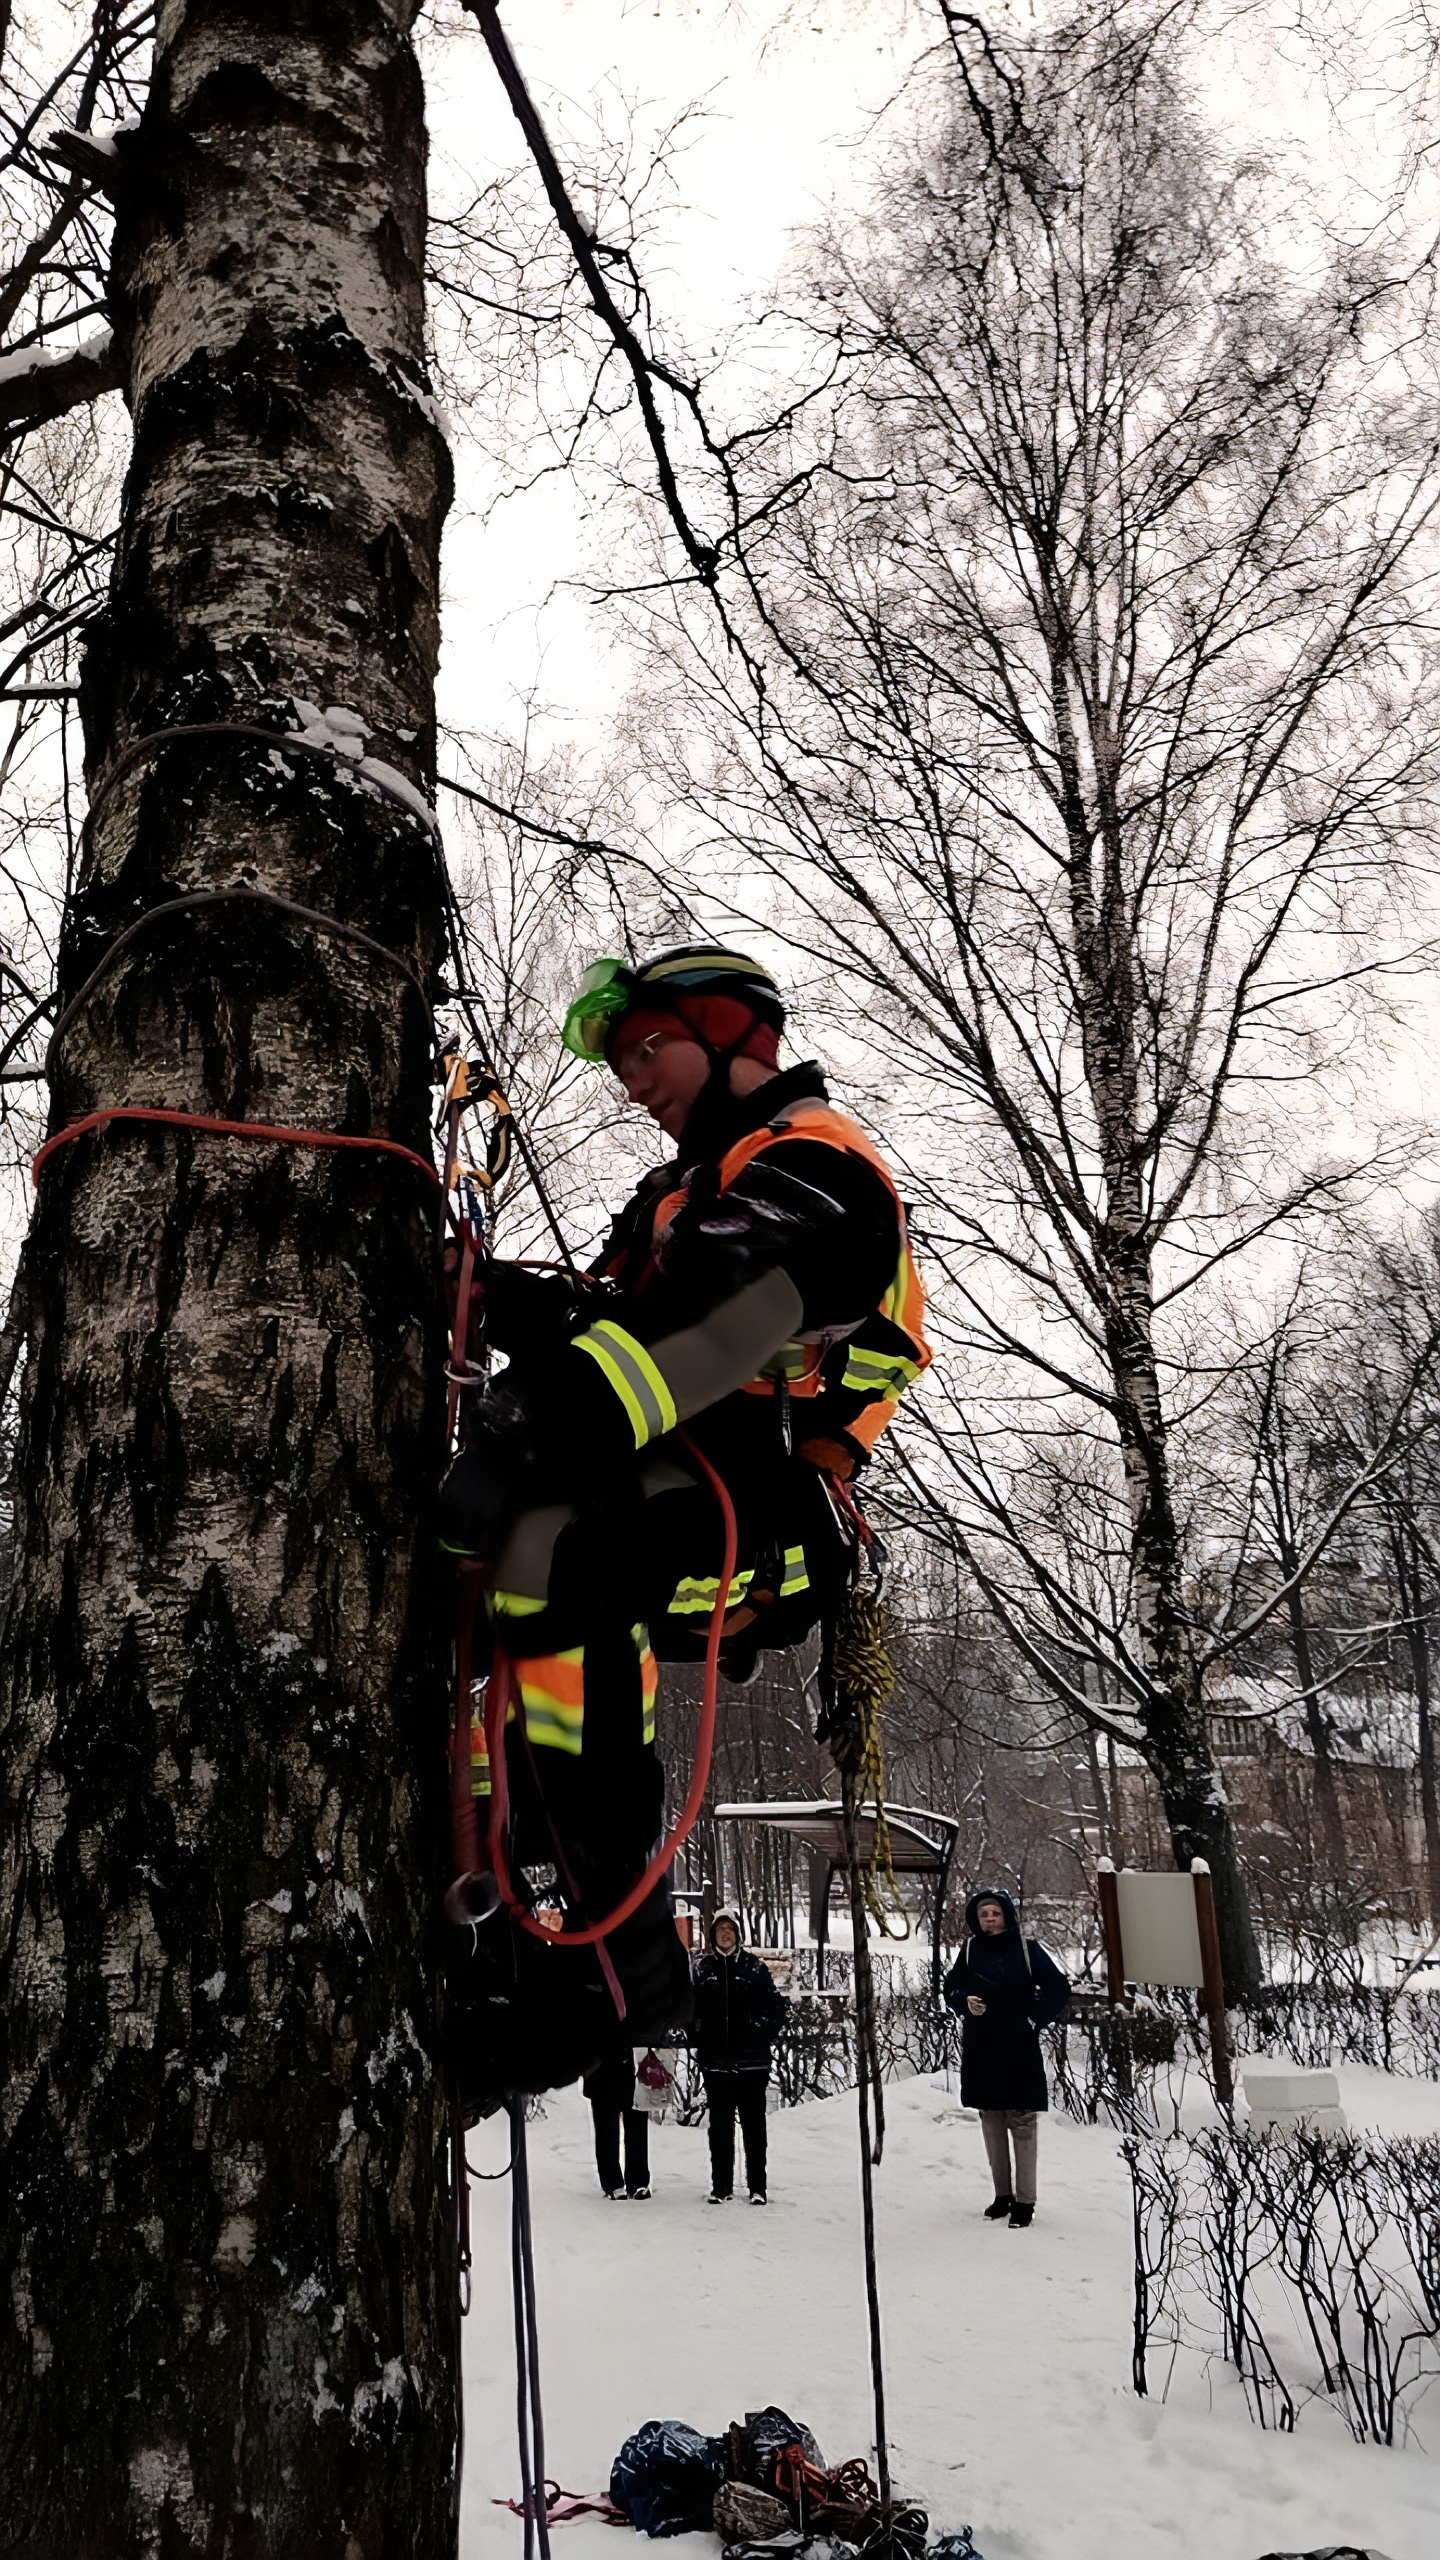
<point>611,2091</point>
<point>728,2094</point>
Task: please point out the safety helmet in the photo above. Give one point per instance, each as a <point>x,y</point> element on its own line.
<point>612,988</point>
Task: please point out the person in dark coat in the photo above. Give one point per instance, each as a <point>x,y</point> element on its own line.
<point>738,2014</point>
<point>610,2088</point>
<point>1004,1988</point>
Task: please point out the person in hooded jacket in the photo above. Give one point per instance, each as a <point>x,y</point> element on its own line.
<point>1004,1988</point>
<point>738,2013</point>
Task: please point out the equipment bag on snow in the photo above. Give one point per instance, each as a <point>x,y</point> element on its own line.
<point>665,2478</point>
<point>755,2448</point>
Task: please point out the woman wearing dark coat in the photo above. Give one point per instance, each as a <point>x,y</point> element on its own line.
<point>1004,1989</point>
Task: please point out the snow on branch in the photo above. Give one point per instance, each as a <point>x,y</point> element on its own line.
<point>43,382</point>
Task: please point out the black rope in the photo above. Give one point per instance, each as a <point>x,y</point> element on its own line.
<point>140,751</point>
<point>529,2416</point>
<point>867,2077</point>
<point>144,748</point>
<point>245,896</point>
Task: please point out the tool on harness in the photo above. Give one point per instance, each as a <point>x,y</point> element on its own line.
<point>664,1857</point>
<point>540,1998</point>
<point>863,1677</point>
<point>470,1083</point>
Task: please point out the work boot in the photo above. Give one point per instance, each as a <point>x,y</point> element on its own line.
<point>1021,2215</point>
<point>997,2211</point>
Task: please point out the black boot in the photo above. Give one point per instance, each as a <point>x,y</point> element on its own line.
<point>1021,2216</point>
<point>997,2211</point>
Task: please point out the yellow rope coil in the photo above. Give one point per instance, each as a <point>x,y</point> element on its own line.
<point>864,1680</point>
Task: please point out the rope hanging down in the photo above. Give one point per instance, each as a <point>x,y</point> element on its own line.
<point>529,2416</point>
<point>864,1677</point>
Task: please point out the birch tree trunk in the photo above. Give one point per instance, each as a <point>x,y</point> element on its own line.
<point>228,2320</point>
<point>1176,1731</point>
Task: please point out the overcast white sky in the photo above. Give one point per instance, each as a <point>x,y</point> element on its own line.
<point>786,95</point>
<point>789,89</point>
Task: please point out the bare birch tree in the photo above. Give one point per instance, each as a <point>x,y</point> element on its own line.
<point>1077,722</point>
<point>229,2314</point>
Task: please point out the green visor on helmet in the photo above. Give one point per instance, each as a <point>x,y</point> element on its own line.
<point>605,992</point>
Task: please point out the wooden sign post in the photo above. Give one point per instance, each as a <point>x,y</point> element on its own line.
<point>1162,1929</point>
<point>1213,1986</point>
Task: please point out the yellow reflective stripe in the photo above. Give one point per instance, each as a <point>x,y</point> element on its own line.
<point>515,1604</point>
<point>552,1726</point>
<point>792,1360</point>
<point>694,1592</point>
<point>649,1682</point>
<point>796,1576</point>
<point>635,1377</point>
<point>883,1372</point>
<point>556,1721</point>
<point>479,1759</point>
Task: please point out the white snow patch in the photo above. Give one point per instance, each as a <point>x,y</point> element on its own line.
<point>276,1647</point>
<point>307,2293</point>
<point>369,2395</point>
<point>339,731</point>
<point>38,360</point>
<point>279,1901</point>
<point>342,732</point>
<point>402,789</point>
<point>345,2131</point>
<point>104,138</point>
<point>322,2397</point>
<point>399,2043</point>
<point>1008,2352</point>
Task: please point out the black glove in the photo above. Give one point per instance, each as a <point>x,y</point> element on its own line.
<point>497,1474</point>
<point>528,1313</point>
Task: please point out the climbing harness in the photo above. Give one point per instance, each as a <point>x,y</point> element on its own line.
<point>497,1706</point>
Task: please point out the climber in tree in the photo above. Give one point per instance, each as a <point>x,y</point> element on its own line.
<point>758,1290</point>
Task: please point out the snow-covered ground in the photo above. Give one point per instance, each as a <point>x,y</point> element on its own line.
<point>1008,2352</point>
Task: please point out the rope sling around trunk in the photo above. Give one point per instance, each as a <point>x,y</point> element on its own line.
<point>253,1129</point>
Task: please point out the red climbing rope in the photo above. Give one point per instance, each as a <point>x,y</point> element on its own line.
<point>498,1702</point>
<point>228,1129</point>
